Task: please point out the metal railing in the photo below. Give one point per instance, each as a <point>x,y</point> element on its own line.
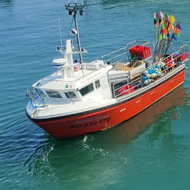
<point>177,48</point>
<point>140,43</point>
<point>114,57</point>
<point>123,54</point>
<point>128,84</point>
<point>33,96</point>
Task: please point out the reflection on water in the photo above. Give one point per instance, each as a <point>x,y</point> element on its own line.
<point>119,3</point>
<point>114,1</point>
<point>77,159</point>
<point>6,3</point>
<point>128,130</point>
<point>113,4</point>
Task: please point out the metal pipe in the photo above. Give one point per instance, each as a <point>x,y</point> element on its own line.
<point>78,39</point>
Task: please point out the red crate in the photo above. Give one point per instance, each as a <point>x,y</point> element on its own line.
<point>133,50</point>
<point>147,52</point>
<point>141,51</point>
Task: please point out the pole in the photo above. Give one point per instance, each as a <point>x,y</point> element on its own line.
<point>78,39</point>
<point>60,34</point>
<point>157,44</point>
<point>155,34</point>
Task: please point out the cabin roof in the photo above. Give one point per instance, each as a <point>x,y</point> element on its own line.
<point>56,82</point>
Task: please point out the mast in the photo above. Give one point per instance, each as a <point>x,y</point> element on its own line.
<point>73,8</point>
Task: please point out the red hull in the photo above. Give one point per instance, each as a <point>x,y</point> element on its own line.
<point>64,127</point>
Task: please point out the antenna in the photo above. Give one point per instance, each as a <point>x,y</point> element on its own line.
<point>60,34</point>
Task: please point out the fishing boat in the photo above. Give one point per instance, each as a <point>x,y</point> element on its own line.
<point>81,98</point>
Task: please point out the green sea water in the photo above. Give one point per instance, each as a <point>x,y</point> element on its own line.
<point>149,151</point>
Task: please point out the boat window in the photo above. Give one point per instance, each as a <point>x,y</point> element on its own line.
<point>86,89</point>
<point>53,94</point>
<point>70,95</point>
<point>97,83</point>
<point>40,92</point>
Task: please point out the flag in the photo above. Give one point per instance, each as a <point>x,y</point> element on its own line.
<point>178,30</point>
<point>161,14</point>
<point>167,16</point>
<point>170,26</point>
<point>160,20</point>
<point>179,27</point>
<point>154,21</point>
<point>165,31</point>
<point>154,18</point>
<point>154,15</point>
<point>160,37</point>
<point>164,36</point>
<point>172,19</point>
<point>163,26</point>
<point>177,34</point>
<point>166,20</point>
<point>174,37</point>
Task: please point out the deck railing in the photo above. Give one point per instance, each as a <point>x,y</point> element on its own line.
<point>114,57</point>
<point>123,54</point>
<point>126,83</point>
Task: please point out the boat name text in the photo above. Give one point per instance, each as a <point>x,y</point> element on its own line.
<point>100,120</point>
